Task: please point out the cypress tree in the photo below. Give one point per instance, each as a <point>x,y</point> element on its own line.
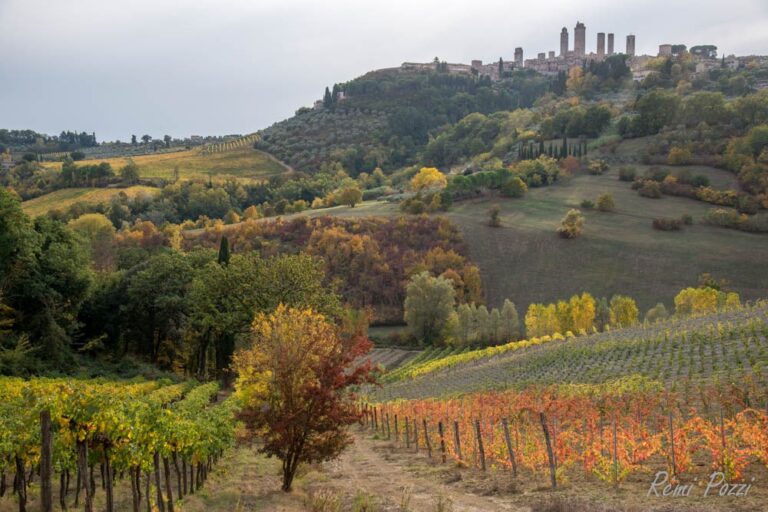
<point>224,251</point>
<point>541,146</point>
<point>585,148</point>
<point>564,148</point>
<point>327,100</point>
<point>501,68</point>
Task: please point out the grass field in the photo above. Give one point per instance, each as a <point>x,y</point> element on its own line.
<point>619,253</point>
<point>244,162</point>
<point>66,197</point>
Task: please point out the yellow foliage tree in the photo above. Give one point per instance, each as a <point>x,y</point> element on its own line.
<point>541,320</point>
<point>623,311</point>
<point>429,179</point>
<point>582,313</point>
<point>704,300</point>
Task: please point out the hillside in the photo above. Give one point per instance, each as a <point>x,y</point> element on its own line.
<point>66,197</point>
<point>722,346</point>
<point>237,163</point>
<point>386,117</point>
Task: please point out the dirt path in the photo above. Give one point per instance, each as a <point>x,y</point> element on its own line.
<point>381,469</point>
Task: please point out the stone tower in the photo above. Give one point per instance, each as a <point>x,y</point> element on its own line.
<point>564,42</point>
<point>518,57</point>
<point>580,39</point>
<point>600,45</point>
<point>631,45</point>
<point>610,44</point>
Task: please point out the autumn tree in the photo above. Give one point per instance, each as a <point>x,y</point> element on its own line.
<point>428,303</point>
<point>295,385</point>
<point>623,311</point>
<point>349,195</point>
<point>493,216</point>
<point>583,310</point>
<point>572,224</point>
<point>428,179</point>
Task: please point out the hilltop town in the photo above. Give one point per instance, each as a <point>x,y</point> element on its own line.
<point>551,63</point>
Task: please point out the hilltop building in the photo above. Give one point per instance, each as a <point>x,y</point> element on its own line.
<point>630,45</point>
<point>564,42</point>
<point>580,39</point>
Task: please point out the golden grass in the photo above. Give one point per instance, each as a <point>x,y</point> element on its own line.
<point>62,199</point>
<point>243,162</point>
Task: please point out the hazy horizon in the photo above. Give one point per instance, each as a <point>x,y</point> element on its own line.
<point>215,67</point>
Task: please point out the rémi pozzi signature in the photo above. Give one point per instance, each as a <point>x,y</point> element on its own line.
<point>717,486</point>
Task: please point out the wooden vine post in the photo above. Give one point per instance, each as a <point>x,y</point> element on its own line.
<point>510,451</point>
<point>397,433</point>
<point>480,449</point>
<point>672,443</point>
<point>442,440</point>
<point>426,439</point>
<point>407,433</point>
<point>615,456</point>
<point>457,440</point>
<point>550,453</point>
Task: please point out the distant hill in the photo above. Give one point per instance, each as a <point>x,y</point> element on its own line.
<point>384,118</point>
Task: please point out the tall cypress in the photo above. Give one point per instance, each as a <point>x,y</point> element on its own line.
<point>224,251</point>
<point>327,100</point>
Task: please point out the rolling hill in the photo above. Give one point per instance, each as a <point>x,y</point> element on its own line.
<point>236,163</point>
<point>66,197</point>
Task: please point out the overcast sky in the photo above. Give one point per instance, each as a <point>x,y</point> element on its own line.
<point>208,67</point>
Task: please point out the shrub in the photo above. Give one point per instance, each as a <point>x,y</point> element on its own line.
<point>597,167</point>
<point>493,216</point>
<point>723,218</point>
<point>656,174</point>
<point>514,187</point>
<point>679,156</point>
<point>605,202</point>
<point>572,224</point>
<point>687,219</point>
<point>77,155</point>
<point>414,205</point>
<point>627,173</point>
<point>665,224</point>
<point>747,204</point>
<point>587,204</point>
<point>650,189</point>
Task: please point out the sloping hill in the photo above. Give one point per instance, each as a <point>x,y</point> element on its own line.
<point>239,163</point>
<point>66,197</point>
<point>721,346</point>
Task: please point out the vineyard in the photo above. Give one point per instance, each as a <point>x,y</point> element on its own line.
<point>623,428</point>
<point>158,439</point>
<point>724,345</point>
<point>680,401</point>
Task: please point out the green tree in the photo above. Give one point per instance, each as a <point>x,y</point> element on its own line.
<point>514,187</point>
<point>130,172</point>
<point>98,230</point>
<point>510,321</point>
<point>428,303</point>
<point>493,216</point>
<point>223,258</point>
<point>656,313</point>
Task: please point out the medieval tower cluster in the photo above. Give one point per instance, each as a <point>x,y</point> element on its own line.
<point>548,63</point>
<point>567,57</point>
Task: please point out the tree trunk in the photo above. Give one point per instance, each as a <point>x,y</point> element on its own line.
<point>63,490</point>
<point>168,483</point>
<point>82,463</point>
<point>178,474</point>
<point>21,485</point>
<point>108,484</point>
<point>46,465</point>
<point>158,488</point>
<point>134,487</point>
